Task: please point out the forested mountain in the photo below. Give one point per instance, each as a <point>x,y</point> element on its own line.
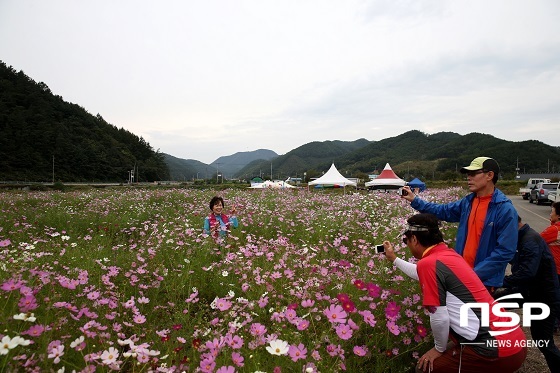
<point>306,158</point>
<point>42,136</point>
<point>412,154</point>
<point>231,164</point>
<point>187,169</point>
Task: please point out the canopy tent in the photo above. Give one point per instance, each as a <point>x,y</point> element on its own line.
<point>417,183</point>
<point>276,184</point>
<point>387,179</point>
<point>332,178</point>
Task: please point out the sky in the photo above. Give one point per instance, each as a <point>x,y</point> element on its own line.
<point>200,79</point>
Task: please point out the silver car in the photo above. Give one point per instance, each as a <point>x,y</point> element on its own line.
<point>539,193</point>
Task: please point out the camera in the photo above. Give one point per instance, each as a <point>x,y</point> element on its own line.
<point>402,192</point>
<point>380,248</point>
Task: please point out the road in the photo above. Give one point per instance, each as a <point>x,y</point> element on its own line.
<point>535,215</point>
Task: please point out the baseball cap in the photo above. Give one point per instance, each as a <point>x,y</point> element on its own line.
<point>482,163</point>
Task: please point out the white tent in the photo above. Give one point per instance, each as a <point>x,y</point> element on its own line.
<point>387,179</point>
<point>332,177</point>
<point>276,184</point>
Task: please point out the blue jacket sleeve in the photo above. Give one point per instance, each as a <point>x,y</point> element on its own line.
<point>449,212</point>
<point>206,225</point>
<point>233,222</point>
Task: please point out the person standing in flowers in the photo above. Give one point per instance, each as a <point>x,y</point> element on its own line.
<point>487,232</point>
<point>218,224</point>
<point>447,282</point>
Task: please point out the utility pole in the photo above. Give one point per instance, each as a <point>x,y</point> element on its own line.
<point>53,169</point>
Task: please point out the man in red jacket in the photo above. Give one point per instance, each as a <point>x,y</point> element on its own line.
<point>447,283</point>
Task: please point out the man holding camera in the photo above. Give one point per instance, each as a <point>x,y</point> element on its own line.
<point>487,232</point>
<point>448,283</point>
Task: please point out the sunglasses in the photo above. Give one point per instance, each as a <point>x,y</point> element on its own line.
<point>474,173</point>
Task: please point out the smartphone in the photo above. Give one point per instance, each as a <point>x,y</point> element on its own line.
<point>402,192</point>
<point>380,248</point>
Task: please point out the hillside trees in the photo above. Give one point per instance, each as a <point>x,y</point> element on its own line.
<point>39,131</point>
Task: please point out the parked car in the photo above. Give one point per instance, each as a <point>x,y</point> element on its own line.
<point>540,192</point>
<point>553,195</point>
<point>531,183</point>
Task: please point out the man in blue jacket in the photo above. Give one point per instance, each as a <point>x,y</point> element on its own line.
<point>487,231</point>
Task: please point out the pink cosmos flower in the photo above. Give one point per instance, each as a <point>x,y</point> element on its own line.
<point>307,303</point>
<point>55,353</point>
<point>302,324</point>
<point>335,313</point>
<point>393,328</point>
<point>360,350</point>
<point>369,318</point>
<point>297,352</point>
<point>223,304</point>
<point>207,365</point>
<point>234,342</point>
<point>228,369</point>
<point>35,330</point>
<point>4,243</point>
<point>343,331</point>
<point>27,303</point>
<point>139,319</point>
<point>237,359</point>
<point>263,302</point>
<point>257,329</point>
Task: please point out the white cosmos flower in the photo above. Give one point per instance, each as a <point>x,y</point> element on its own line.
<point>25,317</point>
<point>278,347</point>
<point>7,344</point>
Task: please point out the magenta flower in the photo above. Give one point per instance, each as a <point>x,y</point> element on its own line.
<point>4,243</point>
<point>392,310</point>
<point>343,298</point>
<point>359,284</point>
<point>335,313</point>
<point>297,352</point>
<point>343,331</point>
<point>373,290</point>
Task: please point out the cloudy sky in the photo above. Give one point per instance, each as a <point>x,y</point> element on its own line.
<point>199,79</point>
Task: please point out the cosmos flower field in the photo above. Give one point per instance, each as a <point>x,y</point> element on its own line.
<point>124,280</point>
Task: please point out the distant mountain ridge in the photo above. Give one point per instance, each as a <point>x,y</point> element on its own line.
<point>228,166</point>
<point>411,154</point>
